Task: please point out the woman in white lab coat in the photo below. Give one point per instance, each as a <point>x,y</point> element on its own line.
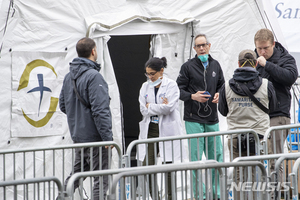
<point>158,99</point>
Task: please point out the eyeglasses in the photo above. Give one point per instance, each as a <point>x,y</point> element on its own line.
<point>150,74</point>
<point>201,45</point>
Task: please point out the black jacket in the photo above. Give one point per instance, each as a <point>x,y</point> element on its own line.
<point>192,78</point>
<point>281,70</point>
<point>253,82</point>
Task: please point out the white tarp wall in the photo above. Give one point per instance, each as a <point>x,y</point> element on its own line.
<point>55,26</point>
<point>287,13</point>
<point>286,17</point>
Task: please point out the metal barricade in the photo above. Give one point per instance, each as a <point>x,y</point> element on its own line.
<point>184,141</point>
<point>55,161</point>
<point>264,159</point>
<point>128,190</point>
<point>271,137</point>
<point>187,138</point>
<point>45,188</point>
<point>275,142</point>
<point>82,175</point>
<point>295,180</point>
<point>278,164</point>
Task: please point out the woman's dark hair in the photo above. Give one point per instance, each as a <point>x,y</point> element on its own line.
<point>84,47</point>
<point>156,63</point>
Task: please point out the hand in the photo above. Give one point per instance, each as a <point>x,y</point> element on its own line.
<point>147,105</point>
<point>261,61</point>
<point>200,97</point>
<point>110,146</point>
<point>216,98</point>
<point>165,100</point>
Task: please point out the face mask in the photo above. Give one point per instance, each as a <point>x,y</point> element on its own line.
<point>155,83</point>
<point>203,58</point>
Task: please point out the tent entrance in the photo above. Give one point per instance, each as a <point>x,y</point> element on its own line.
<point>129,55</point>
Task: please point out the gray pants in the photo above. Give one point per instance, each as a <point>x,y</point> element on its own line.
<point>279,143</point>
<point>91,162</point>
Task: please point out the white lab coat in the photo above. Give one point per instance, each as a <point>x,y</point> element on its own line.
<point>169,118</point>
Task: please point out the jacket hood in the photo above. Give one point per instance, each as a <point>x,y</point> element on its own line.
<point>247,75</point>
<point>79,65</point>
<point>279,51</point>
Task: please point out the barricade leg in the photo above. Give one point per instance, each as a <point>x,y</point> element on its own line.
<point>196,155</point>
<point>215,152</point>
<point>89,159</point>
<point>276,143</point>
<point>241,174</point>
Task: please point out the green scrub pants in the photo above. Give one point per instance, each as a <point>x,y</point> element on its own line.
<point>196,154</point>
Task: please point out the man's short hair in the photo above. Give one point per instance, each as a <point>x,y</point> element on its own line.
<point>201,35</point>
<point>264,34</point>
<point>84,47</point>
<point>247,57</point>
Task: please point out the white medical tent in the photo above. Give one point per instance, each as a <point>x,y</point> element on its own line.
<point>38,39</point>
<point>288,15</point>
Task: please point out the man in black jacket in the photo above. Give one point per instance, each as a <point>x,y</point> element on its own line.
<point>279,67</point>
<point>199,75</point>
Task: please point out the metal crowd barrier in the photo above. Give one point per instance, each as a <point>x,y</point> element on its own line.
<point>44,187</point>
<point>183,142</point>
<point>278,164</point>
<point>270,134</point>
<point>50,161</point>
<point>128,191</point>
<point>182,139</point>
<point>16,162</point>
<point>295,179</point>
<point>264,159</point>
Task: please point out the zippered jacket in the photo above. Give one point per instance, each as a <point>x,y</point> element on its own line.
<point>281,70</point>
<point>194,77</point>
<point>86,124</point>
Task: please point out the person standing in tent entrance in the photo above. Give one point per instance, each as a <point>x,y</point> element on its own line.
<point>241,111</point>
<point>88,112</point>
<point>159,97</point>
<point>199,80</point>
<point>278,66</point>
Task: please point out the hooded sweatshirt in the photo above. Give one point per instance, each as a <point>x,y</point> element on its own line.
<point>86,124</point>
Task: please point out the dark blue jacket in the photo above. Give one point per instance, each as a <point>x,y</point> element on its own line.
<point>86,124</point>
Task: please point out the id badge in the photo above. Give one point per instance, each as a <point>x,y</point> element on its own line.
<point>154,120</point>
